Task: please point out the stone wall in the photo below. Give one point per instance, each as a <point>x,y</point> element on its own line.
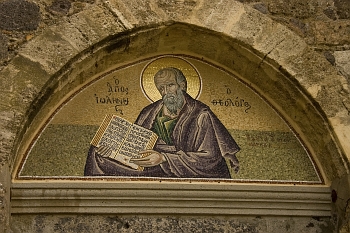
<point>142,224</point>
<point>324,25</point>
<point>40,40</point>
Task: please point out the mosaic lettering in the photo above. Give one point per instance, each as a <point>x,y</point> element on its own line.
<point>232,101</point>
<point>115,95</point>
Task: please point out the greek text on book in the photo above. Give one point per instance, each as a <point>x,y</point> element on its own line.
<point>121,140</point>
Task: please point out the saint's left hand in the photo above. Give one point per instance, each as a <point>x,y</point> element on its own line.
<point>149,158</point>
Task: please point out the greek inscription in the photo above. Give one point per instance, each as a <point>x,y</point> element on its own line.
<point>229,102</point>
<point>112,100</point>
<point>136,147</point>
<point>140,132</point>
<point>137,139</point>
<point>109,143</point>
<point>115,95</point>
<point>126,153</point>
<point>116,87</point>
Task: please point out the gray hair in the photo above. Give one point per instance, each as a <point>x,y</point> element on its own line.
<point>180,77</point>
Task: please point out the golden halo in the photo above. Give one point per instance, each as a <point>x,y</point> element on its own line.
<point>148,87</point>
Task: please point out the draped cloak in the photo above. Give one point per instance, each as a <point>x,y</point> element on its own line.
<point>200,144</point>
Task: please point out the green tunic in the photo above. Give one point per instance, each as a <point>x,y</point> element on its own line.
<point>163,126</point>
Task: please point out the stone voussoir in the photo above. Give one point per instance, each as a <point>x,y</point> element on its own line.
<point>105,23</point>
<point>319,79</point>
<point>135,12</point>
<point>7,135</point>
<point>69,37</point>
<point>55,47</point>
<point>342,59</point>
<point>215,15</point>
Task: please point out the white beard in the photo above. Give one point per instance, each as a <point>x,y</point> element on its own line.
<point>174,102</point>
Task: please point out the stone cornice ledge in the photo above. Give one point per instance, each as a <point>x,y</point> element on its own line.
<point>170,198</point>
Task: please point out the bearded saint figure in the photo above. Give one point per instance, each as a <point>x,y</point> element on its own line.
<point>192,142</point>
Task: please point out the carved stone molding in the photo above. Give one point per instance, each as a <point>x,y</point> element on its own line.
<point>170,198</point>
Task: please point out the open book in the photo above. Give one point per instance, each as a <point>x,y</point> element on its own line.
<point>121,140</point>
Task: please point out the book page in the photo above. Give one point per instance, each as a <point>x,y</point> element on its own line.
<point>121,140</point>
<point>111,135</point>
<point>138,139</point>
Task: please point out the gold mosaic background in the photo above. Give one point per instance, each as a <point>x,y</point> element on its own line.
<point>269,149</point>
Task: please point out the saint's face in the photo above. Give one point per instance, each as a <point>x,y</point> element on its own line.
<point>167,84</point>
<point>171,92</point>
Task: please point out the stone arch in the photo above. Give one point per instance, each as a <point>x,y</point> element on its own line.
<point>263,52</point>
<point>261,72</point>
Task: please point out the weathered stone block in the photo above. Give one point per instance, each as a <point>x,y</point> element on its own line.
<point>331,32</point>
<point>267,36</point>
<point>262,7</point>
<point>217,16</point>
<point>60,7</point>
<point>178,10</point>
<point>296,8</point>
<point>98,223</point>
<point>135,12</point>
<point>90,26</point>
<point>7,135</point>
<point>330,13</point>
<point>57,48</point>
<point>343,8</point>
<point>65,40</point>
<point>3,47</point>
<point>19,15</point>
<point>342,61</point>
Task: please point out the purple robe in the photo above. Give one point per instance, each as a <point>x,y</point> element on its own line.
<point>200,143</point>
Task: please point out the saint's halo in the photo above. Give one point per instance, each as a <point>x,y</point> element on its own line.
<point>194,83</point>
